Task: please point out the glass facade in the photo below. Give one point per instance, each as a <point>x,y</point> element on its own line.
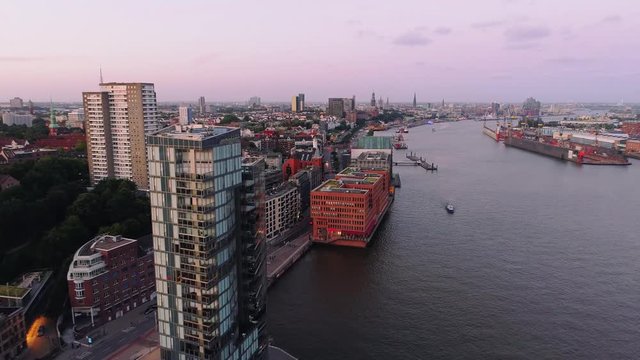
<point>195,176</point>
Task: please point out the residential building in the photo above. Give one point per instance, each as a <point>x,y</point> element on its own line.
<point>348,105</point>
<point>347,210</point>
<point>109,276</point>
<point>117,119</point>
<point>7,182</point>
<point>16,103</point>
<point>253,279</point>
<point>272,177</point>
<point>195,175</point>
<point>185,114</point>
<point>26,292</point>
<point>282,209</point>
<point>302,179</point>
<point>12,333</point>
<point>9,118</point>
<point>76,119</point>
<point>336,107</point>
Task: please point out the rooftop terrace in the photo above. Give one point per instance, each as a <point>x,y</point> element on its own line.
<point>194,132</point>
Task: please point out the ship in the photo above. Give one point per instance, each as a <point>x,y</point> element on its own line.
<point>450,208</point>
<point>564,150</point>
<point>400,146</point>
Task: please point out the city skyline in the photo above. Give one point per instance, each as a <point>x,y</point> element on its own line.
<point>555,52</point>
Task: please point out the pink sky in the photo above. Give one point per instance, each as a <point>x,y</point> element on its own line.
<point>459,50</point>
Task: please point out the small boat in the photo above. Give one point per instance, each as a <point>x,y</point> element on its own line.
<point>450,208</point>
<point>400,146</point>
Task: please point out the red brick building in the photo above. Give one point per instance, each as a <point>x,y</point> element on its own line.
<point>109,276</point>
<point>347,210</point>
<point>631,128</point>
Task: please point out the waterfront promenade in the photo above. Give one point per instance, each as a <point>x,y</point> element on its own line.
<point>279,259</point>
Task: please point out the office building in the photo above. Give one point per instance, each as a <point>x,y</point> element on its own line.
<point>17,119</point>
<point>336,107</point>
<point>347,210</point>
<point>282,209</point>
<point>202,105</point>
<point>302,179</point>
<point>185,115</point>
<point>375,161</point>
<point>349,105</point>
<point>195,176</point>
<point>110,276</point>
<point>297,103</point>
<point>12,333</point>
<point>16,103</point>
<point>116,120</point>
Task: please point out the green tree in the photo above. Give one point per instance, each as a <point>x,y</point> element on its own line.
<point>229,118</point>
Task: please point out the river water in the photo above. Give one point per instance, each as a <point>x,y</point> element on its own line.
<point>540,260</point>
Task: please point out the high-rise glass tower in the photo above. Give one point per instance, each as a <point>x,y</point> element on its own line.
<point>195,176</point>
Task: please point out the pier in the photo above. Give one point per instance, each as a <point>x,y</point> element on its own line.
<point>415,160</point>
<point>280,259</point>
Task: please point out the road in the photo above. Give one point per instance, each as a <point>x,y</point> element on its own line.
<point>279,259</point>
<point>116,337</point>
<point>39,346</point>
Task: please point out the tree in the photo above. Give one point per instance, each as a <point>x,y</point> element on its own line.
<point>230,118</point>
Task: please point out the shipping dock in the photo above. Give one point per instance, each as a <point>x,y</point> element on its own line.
<point>533,141</point>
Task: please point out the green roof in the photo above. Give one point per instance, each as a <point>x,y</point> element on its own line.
<point>374,142</point>
<point>12,291</point>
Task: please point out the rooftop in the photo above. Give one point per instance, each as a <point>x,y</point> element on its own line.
<point>373,155</point>
<point>373,142</point>
<point>283,188</point>
<point>194,132</point>
<point>103,243</point>
<point>13,291</point>
<point>337,186</point>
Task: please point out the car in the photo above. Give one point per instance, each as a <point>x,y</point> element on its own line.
<point>41,329</point>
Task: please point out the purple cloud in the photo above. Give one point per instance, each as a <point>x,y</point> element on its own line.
<point>20,58</point>
<point>526,33</point>
<point>412,38</point>
<point>442,30</point>
<point>364,34</point>
<point>488,24</point>
<point>569,60</point>
<point>611,19</point>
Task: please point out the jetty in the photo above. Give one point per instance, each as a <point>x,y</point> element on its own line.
<point>415,160</point>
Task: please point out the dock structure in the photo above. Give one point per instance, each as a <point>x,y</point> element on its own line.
<point>280,259</point>
<point>416,160</point>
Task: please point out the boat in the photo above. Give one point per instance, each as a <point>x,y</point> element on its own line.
<point>450,208</point>
<point>400,146</point>
<point>400,130</point>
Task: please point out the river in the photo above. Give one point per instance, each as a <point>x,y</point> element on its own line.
<point>540,260</point>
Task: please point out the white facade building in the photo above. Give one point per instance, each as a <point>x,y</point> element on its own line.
<point>17,119</point>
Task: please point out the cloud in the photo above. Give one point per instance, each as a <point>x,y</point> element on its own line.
<point>611,19</point>
<point>569,60</point>
<point>488,24</point>
<point>21,58</point>
<point>412,38</point>
<point>526,33</point>
<point>442,30</point>
<point>522,46</point>
<point>368,34</point>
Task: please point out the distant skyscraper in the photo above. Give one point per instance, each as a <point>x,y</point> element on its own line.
<point>415,104</point>
<point>254,101</point>
<point>209,302</point>
<point>380,102</point>
<point>30,104</point>
<point>116,120</point>
<point>442,103</point>
<point>348,104</point>
<point>15,103</point>
<point>336,107</point>
<point>373,99</point>
<point>202,105</point>
<point>387,105</point>
<point>297,103</point>
<point>186,115</point>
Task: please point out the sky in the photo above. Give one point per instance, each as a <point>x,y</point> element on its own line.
<point>230,50</point>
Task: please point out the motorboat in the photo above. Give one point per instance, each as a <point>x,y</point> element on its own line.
<point>450,208</point>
